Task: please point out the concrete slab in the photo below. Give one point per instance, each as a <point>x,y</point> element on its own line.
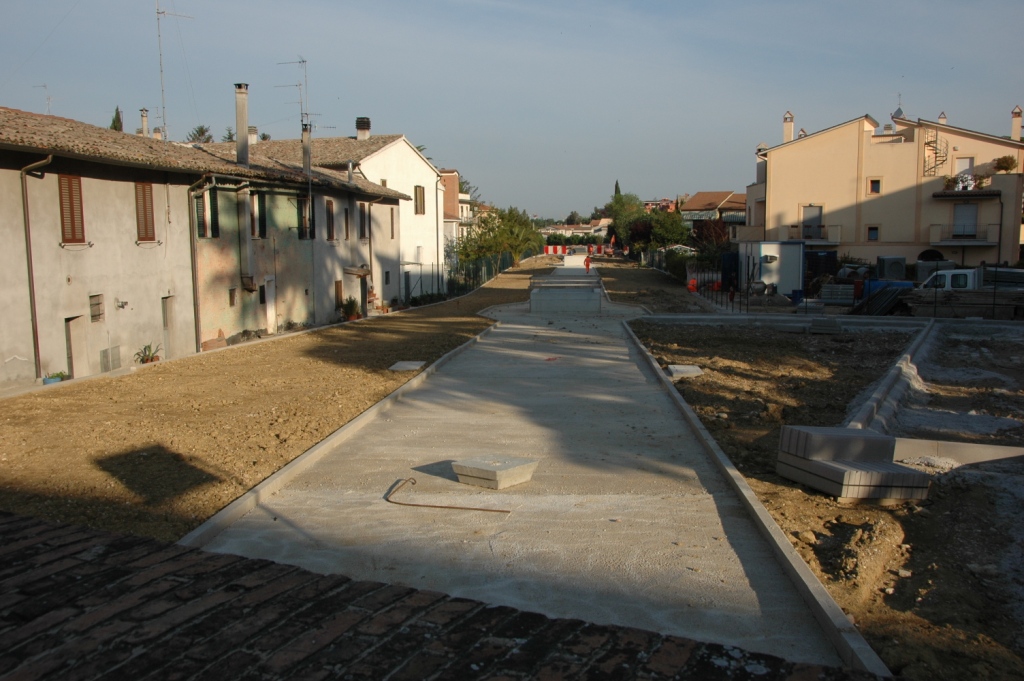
<point>495,472</point>
<point>684,370</point>
<point>406,366</point>
<point>626,520</point>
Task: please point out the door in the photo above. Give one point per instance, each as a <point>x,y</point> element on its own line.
<point>74,338</point>
<point>965,220</point>
<point>363,292</point>
<point>167,308</point>
<point>271,304</point>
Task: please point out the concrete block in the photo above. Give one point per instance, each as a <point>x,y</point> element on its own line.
<point>406,366</point>
<point>495,473</point>
<point>826,325</point>
<point>830,444</point>
<point>683,370</point>
<point>855,479</point>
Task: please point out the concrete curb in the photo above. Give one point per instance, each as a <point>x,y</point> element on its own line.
<point>216,524</point>
<point>851,646</point>
<point>886,398</point>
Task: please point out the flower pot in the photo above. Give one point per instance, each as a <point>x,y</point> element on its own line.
<point>47,380</point>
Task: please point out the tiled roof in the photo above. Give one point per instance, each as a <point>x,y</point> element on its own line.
<point>326,151</point>
<point>706,201</point>
<point>37,133</point>
<point>735,202</point>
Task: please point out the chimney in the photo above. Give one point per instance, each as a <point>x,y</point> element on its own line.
<point>787,127</point>
<point>1015,124</point>
<point>362,128</point>
<point>307,151</point>
<point>942,117</point>
<point>802,133</point>
<point>145,122</point>
<point>242,123</point>
<point>887,129</point>
<point>158,133</point>
<point>254,135</point>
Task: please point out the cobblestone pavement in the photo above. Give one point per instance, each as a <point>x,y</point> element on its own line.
<point>81,604</point>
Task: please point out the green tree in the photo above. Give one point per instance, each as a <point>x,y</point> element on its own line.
<point>1005,164</point>
<point>617,190</point>
<point>200,133</point>
<point>466,187</point>
<point>229,135</point>
<point>115,123</point>
<point>505,230</point>
<point>264,137</point>
<point>574,219</point>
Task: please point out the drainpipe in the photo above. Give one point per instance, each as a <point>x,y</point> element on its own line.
<point>437,240</point>
<point>28,259</point>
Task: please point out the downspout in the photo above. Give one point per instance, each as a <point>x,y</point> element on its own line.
<point>195,257</point>
<point>437,240</point>
<point>28,259</point>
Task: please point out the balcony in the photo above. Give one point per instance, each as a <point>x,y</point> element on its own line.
<point>816,235</point>
<point>964,235</point>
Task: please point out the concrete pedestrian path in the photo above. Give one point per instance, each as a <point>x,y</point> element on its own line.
<point>626,521</point>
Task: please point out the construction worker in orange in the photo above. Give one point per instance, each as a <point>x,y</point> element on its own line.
<point>586,263</point>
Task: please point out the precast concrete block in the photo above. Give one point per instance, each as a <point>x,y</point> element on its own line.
<point>683,370</point>
<point>832,444</point>
<point>855,479</point>
<point>495,473</point>
<point>406,366</point>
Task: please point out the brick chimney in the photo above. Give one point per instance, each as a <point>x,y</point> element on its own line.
<point>787,127</point>
<point>1015,124</point>
<point>362,128</point>
<point>242,123</point>
<point>145,122</point>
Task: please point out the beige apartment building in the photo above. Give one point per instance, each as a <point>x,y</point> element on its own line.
<point>923,190</point>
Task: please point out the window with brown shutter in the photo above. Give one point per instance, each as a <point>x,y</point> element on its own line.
<point>329,211</point>
<point>363,217</point>
<point>146,229</point>
<point>420,200</point>
<point>71,220</point>
<point>347,225</point>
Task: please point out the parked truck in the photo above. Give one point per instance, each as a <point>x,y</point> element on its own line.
<point>975,279</point>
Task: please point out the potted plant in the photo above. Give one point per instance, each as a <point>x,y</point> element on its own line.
<point>55,377</point>
<point>147,354</point>
<point>350,309</point>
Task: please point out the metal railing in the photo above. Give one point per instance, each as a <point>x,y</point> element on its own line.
<point>963,233</point>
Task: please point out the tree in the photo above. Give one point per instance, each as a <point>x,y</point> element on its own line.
<point>617,191</point>
<point>574,219</point>
<point>264,137</point>
<point>504,230</point>
<point>115,123</point>
<point>200,133</point>
<point>229,135</point>
<point>1005,164</point>
<point>465,187</point>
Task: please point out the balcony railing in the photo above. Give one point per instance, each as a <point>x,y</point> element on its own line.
<point>829,234</point>
<point>967,235</point>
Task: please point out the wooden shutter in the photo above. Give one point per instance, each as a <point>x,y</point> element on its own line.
<point>329,211</point>
<point>71,220</point>
<point>214,215</point>
<point>200,204</point>
<point>144,211</point>
<point>362,220</point>
<point>261,202</point>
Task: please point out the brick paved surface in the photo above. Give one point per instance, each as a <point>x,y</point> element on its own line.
<point>81,604</point>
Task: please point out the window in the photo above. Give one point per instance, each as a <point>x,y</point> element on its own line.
<point>874,186</point>
<point>383,182</point>
<point>346,224</point>
<point>207,222</point>
<point>392,223</point>
<point>329,215</point>
<point>387,277</point>
<point>872,233</point>
<point>71,220</point>
<point>96,308</point>
<point>958,281</point>
<point>145,227</point>
<point>306,228</point>
<point>258,216</point>
<point>419,198</point>
<point>232,297</point>
<point>263,294</point>
<point>965,220</point>
<point>339,294</point>
<point>363,217</point>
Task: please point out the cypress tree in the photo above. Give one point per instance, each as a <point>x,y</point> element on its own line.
<point>115,123</point>
<point>617,192</point>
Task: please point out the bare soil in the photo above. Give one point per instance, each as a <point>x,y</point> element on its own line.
<point>935,587</point>
<point>158,451</point>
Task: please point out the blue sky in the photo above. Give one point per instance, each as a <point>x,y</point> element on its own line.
<point>541,105</point>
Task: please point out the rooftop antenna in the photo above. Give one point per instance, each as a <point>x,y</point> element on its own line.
<point>160,46</point>
<point>305,82</point>
<point>48,97</point>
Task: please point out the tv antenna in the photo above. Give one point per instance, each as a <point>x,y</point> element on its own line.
<point>160,46</point>
<point>303,111</point>
<point>48,97</point>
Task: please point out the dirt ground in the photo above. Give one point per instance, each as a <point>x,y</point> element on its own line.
<point>937,587</point>
<point>158,451</point>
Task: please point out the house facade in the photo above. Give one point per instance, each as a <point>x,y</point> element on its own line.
<point>390,161</point>
<point>120,241</point>
<point>918,189</point>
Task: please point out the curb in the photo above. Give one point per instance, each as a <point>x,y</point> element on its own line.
<point>217,523</point>
<point>852,648</point>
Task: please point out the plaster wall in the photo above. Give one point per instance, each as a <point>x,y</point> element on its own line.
<point>138,282</point>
